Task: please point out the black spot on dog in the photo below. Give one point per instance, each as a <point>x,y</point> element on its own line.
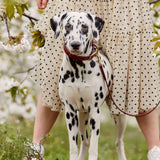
<point>92,123</point>
<point>98,74</point>
<point>66,76</point>
<point>64,16</point>
<point>86,122</point>
<point>74,64</point>
<point>89,109</point>
<point>60,78</point>
<point>72,108</point>
<point>89,17</point>
<point>81,99</point>
<point>82,138</point>
<point>74,138</point>
<point>97,132</point>
<point>86,47</point>
<point>98,111</point>
<point>72,74</point>
<point>95,34</point>
<point>72,80</point>
<point>92,64</point>
<point>82,75</point>
<point>71,114</point>
<point>89,72</point>
<point>63,103</point>
<point>96,104</point>
<point>76,118</point>
<point>96,94</point>
<point>97,98</point>
<point>63,81</point>
<point>73,122</point>
<point>100,88</point>
<point>101,95</point>
<point>70,126</point>
<point>67,115</point>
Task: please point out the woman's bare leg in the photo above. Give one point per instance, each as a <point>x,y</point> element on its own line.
<point>45,119</point>
<point>149,125</point>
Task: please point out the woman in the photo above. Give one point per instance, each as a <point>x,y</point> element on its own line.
<point>125,39</point>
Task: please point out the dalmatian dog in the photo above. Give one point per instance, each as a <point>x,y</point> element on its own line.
<point>82,88</point>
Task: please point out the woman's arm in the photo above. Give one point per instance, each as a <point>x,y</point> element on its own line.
<point>42,4</point>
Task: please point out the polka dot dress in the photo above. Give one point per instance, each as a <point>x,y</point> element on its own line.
<point>125,39</point>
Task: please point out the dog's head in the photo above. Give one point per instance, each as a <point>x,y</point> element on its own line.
<point>78,29</point>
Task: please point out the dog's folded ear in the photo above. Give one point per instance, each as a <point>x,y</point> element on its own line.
<point>97,25</point>
<point>56,23</point>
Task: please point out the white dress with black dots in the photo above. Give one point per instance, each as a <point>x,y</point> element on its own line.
<point>125,39</point>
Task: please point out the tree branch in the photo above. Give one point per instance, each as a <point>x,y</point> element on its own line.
<point>6,21</point>
<point>154,1</point>
<point>30,17</point>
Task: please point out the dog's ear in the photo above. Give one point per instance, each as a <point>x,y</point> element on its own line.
<point>56,23</point>
<point>97,25</point>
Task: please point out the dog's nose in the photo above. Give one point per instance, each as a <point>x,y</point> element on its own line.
<point>75,45</point>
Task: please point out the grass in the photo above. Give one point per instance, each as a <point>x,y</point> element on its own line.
<point>56,145</point>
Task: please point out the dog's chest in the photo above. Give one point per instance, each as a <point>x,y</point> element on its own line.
<point>81,83</point>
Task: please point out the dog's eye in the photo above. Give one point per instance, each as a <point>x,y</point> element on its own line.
<point>68,27</point>
<point>85,27</point>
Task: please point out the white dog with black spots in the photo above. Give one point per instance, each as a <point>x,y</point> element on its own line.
<point>82,88</point>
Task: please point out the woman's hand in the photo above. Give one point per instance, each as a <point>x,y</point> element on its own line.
<point>42,4</point>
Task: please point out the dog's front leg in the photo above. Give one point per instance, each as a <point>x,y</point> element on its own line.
<point>95,130</point>
<point>72,126</point>
<point>83,123</point>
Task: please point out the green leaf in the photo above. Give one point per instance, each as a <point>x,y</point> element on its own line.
<point>24,6</point>
<point>10,11</point>
<point>155,30</point>
<point>158,54</point>
<point>156,25</point>
<point>156,4</point>
<point>156,38</point>
<point>156,14</point>
<point>157,45</point>
<point>13,92</point>
<point>19,10</point>
<point>38,39</point>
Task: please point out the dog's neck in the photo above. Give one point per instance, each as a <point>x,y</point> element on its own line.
<point>87,56</point>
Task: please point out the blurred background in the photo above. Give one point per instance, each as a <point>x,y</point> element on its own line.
<point>20,49</point>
